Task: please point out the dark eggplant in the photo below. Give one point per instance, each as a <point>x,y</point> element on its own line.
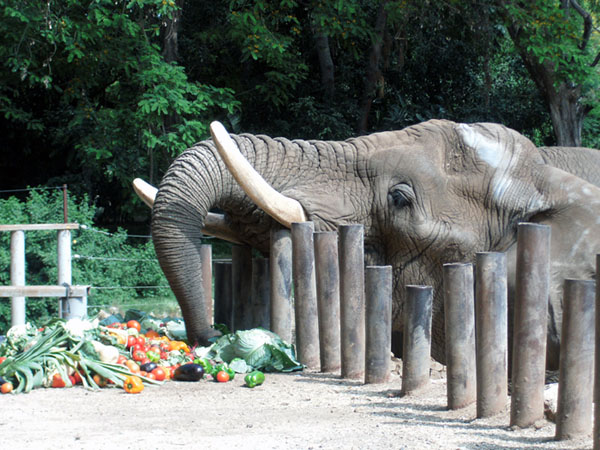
<point>189,372</point>
<point>148,367</point>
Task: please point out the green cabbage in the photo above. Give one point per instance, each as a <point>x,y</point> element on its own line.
<point>259,348</point>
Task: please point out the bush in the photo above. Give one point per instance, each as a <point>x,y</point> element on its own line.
<point>100,259</point>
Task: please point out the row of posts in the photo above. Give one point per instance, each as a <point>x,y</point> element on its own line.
<point>342,316</point>
<point>339,315</point>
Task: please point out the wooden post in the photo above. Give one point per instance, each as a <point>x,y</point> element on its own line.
<point>305,294</point>
<point>530,324</point>
<point>352,300</point>
<point>378,344</point>
<point>281,283</point>
<point>17,275</point>
<point>491,323</point>
<point>328,299</point>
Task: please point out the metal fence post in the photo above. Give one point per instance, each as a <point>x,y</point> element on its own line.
<point>70,307</point>
<point>17,275</point>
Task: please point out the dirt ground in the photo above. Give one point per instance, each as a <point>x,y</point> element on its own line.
<point>302,410</point>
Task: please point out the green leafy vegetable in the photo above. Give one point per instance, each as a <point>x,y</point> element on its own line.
<point>260,349</point>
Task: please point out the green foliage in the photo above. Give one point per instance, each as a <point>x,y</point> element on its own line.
<point>100,259</point>
<point>88,79</point>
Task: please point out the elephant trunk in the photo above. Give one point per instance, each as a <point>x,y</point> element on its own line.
<point>191,186</point>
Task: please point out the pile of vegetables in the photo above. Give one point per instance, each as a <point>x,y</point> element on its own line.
<point>123,354</point>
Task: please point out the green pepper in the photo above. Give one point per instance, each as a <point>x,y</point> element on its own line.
<point>153,356</point>
<point>254,379</point>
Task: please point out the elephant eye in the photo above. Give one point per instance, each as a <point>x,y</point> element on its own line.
<point>401,195</point>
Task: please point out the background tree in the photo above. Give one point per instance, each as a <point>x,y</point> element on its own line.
<point>94,93</point>
<point>558,43</point>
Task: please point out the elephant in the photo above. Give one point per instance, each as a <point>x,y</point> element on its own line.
<point>429,194</point>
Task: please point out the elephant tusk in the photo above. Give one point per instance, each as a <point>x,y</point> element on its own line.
<point>214,224</point>
<point>145,191</point>
<point>284,209</point>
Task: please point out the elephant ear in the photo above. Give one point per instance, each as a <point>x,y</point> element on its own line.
<point>525,188</point>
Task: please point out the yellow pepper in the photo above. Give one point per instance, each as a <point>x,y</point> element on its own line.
<point>133,385</point>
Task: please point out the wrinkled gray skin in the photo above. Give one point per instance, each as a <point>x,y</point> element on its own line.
<point>432,193</point>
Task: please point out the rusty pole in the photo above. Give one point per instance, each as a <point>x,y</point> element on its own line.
<point>352,301</point>
<point>491,321</point>
<point>378,298</point>
<point>576,367</point>
<point>328,298</point>
<point>416,345</point>
<point>281,283</point>
<point>459,324</point>
<point>530,324</point>
<point>305,294</point>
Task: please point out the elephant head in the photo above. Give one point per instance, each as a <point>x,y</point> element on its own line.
<point>432,193</point>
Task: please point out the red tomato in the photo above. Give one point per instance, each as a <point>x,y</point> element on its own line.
<point>159,373</point>
<point>72,380</point>
<point>134,324</point>
<point>154,349</point>
<point>77,377</point>
<point>164,346</point>
<point>151,376</point>
<point>222,376</point>
<point>121,359</point>
<point>141,340</point>
<point>131,341</point>
<point>57,381</point>
<point>138,355</point>
<point>6,387</point>
<point>163,355</point>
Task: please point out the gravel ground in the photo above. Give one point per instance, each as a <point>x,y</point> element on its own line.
<point>303,410</point>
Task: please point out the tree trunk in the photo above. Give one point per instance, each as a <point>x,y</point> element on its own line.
<point>563,100</point>
<point>325,63</point>
<point>170,41</point>
<point>373,69</point>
